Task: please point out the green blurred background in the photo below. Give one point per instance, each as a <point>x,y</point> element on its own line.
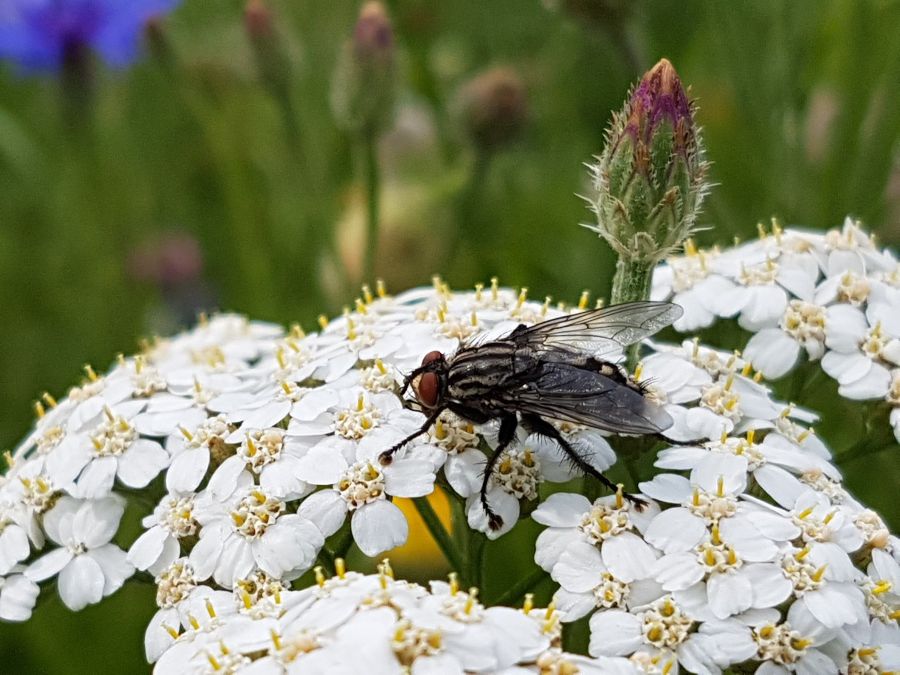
<point>213,174</point>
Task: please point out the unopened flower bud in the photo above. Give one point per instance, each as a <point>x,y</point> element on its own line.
<point>362,94</point>
<point>494,108</point>
<point>650,179</point>
<point>258,20</point>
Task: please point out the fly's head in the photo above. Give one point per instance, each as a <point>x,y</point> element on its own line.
<point>429,381</point>
<point>429,384</point>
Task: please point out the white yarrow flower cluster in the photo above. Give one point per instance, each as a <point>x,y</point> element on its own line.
<point>749,551</point>
<point>834,296</point>
<point>257,446</point>
<point>360,623</point>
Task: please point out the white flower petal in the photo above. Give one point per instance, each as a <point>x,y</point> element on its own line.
<point>97,479</point>
<point>141,463</point>
<point>562,509</point>
<point>409,478</point>
<point>464,471</point>
<point>49,564</point>
<point>378,527</point>
<point>114,563</point>
<point>580,568</point>
<point>18,595</point>
<point>614,633</point>
<point>97,520</point>
<point>81,583</point>
<point>225,478</point>
<point>628,557</point>
<point>675,530</point>
<point>321,466</point>
<point>772,352</point>
<point>187,470</point>
<point>667,487</point>
<point>678,571</point>
<point>147,548</point>
<point>502,503</point>
<point>729,593</point>
<point>325,509</point>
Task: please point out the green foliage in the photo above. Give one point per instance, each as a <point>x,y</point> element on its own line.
<point>800,103</point>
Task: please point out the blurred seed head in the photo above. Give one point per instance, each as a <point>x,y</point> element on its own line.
<point>362,94</point>
<point>494,108</point>
<point>650,178</point>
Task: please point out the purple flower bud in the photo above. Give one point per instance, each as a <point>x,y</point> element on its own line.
<point>650,178</point>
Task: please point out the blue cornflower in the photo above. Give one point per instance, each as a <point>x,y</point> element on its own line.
<point>39,35</point>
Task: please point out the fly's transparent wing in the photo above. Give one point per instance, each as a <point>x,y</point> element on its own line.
<point>602,331</point>
<point>565,392</point>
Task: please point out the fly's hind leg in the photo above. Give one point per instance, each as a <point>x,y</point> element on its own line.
<point>507,431</point>
<point>541,426</point>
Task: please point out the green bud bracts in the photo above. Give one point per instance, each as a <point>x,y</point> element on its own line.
<point>650,178</point>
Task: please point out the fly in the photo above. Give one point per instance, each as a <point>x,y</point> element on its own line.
<point>557,370</point>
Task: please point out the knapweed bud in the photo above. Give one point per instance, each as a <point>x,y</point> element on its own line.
<point>494,107</point>
<point>650,179</point>
<point>362,95</point>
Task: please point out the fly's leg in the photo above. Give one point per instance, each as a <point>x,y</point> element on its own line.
<point>541,426</point>
<point>504,437</point>
<point>387,456</point>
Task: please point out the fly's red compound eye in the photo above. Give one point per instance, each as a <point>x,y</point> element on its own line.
<point>427,389</point>
<point>431,356</point>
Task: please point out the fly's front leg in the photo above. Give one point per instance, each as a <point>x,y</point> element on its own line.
<point>507,432</point>
<point>387,456</point>
<point>541,426</point>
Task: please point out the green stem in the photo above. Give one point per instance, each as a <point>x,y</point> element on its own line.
<point>469,227</point>
<point>517,591</point>
<point>342,544</point>
<point>475,570</point>
<point>632,280</point>
<point>459,523</point>
<point>439,533</point>
<point>373,178</point>
<point>326,560</point>
<point>863,449</point>
<point>631,283</point>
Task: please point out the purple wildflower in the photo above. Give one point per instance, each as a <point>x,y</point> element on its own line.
<point>42,35</point>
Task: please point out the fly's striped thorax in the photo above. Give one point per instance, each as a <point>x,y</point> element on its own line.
<point>475,371</point>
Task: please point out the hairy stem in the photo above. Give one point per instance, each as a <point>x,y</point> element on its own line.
<point>631,283</point>
<point>632,280</point>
